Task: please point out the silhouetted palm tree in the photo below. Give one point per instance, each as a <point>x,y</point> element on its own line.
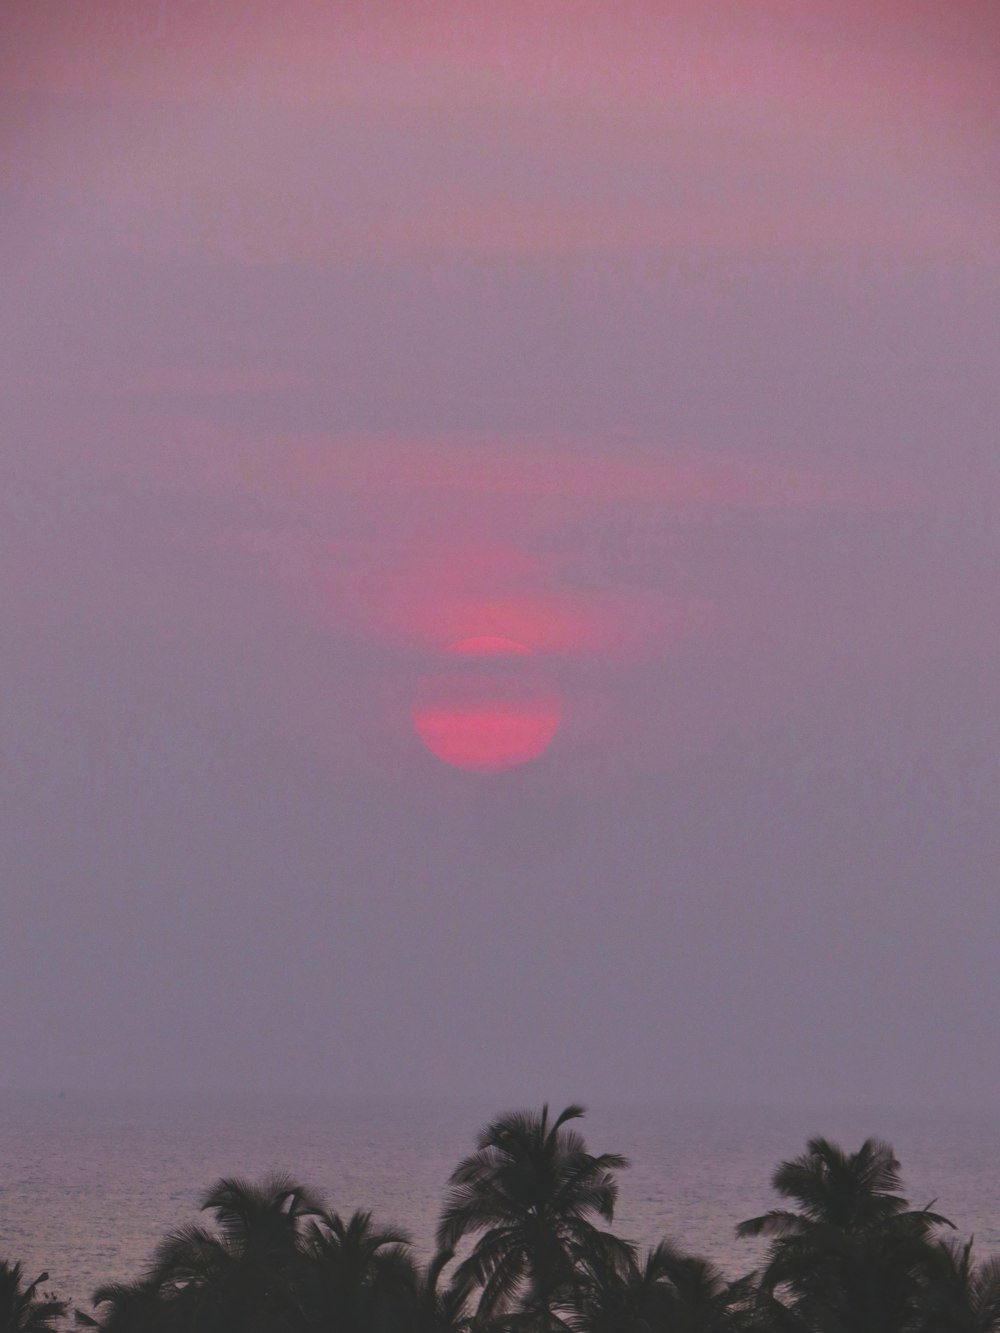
<point>360,1279</point>
<point>702,1300</point>
<point>136,1307</point>
<point>964,1296</point>
<point>21,1311</point>
<point>666,1292</point>
<point>854,1257</point>
<point>530,1192</point>
<point>247,1274</point>
<point>442,1311</point>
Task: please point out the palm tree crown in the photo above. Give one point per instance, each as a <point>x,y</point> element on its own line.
<point>666,1290</point>
<point>360,1276</point>
<point>531,1191</point>
<point>854,1257</point>
<point>21,1311</point>
<point>843,1190</point>
<point>965,1295</point>
<point>246,1273</point>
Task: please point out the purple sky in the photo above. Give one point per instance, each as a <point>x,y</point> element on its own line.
<point>660,338</point>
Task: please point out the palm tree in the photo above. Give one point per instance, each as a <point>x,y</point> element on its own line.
<point>360,1278</point>
<point>964,1296</point>
<point>247,1274</point>
<point>442,1311</point>
<point>667,1291</point>
<point>854,1257</point>
<point>628,1299</point>
<point>21,1311</point>
<point>702,1300</point>
<point>531,1192</point>
<point>135,1307</point>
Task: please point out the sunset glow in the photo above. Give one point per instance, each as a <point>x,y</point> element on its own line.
<point>493,712</point>
<point>500,524</point>
<point>489,739</point>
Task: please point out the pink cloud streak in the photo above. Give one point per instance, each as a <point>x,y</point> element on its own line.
<point>869,131</point>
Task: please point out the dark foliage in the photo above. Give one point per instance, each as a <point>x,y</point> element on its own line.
<point>22,1310</point>
<point>853,1257</point>
<point>530,1193</point>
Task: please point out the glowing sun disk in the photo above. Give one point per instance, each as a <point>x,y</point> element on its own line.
<point>491,712</point>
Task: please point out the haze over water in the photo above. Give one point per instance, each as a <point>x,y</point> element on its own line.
<point>89,1188</point>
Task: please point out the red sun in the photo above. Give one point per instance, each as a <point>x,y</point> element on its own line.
<point>489,708</point>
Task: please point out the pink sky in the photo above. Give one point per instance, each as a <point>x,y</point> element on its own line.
<point>659,338</point>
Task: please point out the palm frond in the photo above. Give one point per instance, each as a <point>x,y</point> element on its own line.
<point>778,1222</point>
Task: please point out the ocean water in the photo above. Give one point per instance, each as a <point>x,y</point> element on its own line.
<point>88,1188</point>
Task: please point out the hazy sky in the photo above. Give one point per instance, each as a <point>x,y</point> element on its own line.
<point>661,338</point>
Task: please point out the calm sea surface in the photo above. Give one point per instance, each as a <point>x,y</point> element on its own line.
<point>87,1189</point>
